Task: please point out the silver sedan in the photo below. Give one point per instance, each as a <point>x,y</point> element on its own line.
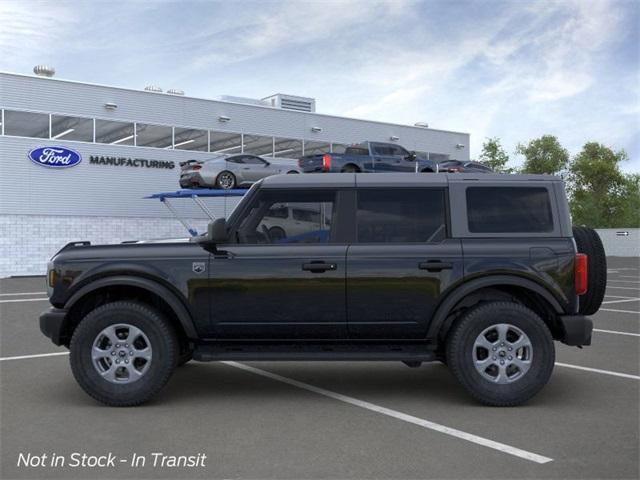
<point>231,171</point>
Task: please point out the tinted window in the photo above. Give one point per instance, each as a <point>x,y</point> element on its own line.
<point>253,160</point>
<point>239,159</point>
<point>357,151</point>
<point>190,139</point>
<point>71,128</point>
<point>401,216</point>
<point>225,142</point>
<point>509,209</point>
<point>258,145</point>
<point>287,148</point>
<point>113,132</point>
<point>268,221</point>
<point>26,124</point>
<point>157,136</point>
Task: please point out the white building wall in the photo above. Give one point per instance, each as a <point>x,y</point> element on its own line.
<point>617,244</point>
<point>42,209</point>
<point>27,242</point>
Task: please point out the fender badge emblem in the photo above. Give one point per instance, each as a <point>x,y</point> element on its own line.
<point>198,267</point>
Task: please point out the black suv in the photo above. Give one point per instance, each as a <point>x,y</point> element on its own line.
<point>479,271</point>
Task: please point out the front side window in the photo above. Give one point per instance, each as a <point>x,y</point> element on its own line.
<point>401,216</point>
<point>509,210</point>
<point>268,220</point>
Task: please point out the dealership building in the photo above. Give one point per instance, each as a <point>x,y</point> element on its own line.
<point>129,144</point>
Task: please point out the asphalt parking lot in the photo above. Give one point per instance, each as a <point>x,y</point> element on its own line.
<point>329,420</point>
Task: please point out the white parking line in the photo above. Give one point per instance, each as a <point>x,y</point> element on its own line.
<point>21,293</point>
<point>628,276</point>
<point>533,457</point>
<point>621,301</point>
<point>623,281</point>
<point>616,332</point>
<point>18,300</point>
<point>597,370</point>
<point>618,311</point>
<point>637,289</point>
<point>39,355</point>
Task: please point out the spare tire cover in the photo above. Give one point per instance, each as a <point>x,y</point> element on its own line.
<point>588,242</point>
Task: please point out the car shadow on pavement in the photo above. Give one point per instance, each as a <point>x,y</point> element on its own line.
<point>366,382</point>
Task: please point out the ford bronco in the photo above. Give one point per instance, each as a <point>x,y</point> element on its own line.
<point>479,271</point>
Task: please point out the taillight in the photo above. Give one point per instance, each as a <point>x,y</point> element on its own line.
<point>326,162</point>
<point>299,162</point>
<point>580,273</point>
<point>196,167</point>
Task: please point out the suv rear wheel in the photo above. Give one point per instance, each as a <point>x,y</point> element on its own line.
<point>501,352</point>
<point>123,353</point>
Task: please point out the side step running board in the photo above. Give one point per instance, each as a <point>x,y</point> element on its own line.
<point>407,352</point>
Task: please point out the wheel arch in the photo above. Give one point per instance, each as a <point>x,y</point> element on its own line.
<point>492,288</point>
<point>120,287</point>
<point>355,166</point>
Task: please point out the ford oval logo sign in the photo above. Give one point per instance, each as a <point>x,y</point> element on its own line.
<point>55,157</point>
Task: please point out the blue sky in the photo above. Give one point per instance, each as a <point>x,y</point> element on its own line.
<point>515,70</point>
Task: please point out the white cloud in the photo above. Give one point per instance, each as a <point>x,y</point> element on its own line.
<point>32,29</point>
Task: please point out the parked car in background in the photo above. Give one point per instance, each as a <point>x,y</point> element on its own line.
<point>459,166</point>
<point>231,171</point>
<point>371,157</point>
<point>284,222</point>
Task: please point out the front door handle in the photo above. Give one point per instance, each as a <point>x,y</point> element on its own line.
<point>435,266</point>
<point>318,267</point>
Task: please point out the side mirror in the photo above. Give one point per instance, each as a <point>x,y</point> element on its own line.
<point>217,231</point>
<point>412,156</point>
<point>266,163</point>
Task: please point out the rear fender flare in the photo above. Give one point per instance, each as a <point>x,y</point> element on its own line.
<point>451,300</point>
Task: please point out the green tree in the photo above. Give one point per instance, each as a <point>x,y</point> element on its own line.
<point>494,156</point>
<point>601,195</point>
<point>543,155</point>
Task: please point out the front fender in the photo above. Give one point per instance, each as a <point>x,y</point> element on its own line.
<point>174,302</point>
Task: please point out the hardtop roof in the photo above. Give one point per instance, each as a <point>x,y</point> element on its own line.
<point>326,180</point>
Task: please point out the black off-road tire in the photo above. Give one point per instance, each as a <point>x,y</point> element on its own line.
<point>460,344</point>
<point>164,345</point>
<point>588,242</point>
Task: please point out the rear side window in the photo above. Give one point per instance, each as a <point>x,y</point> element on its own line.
<point>401,216</point>
<point>356,151</point>
<point>509,210</point>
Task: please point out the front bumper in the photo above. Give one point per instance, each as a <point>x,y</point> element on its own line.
<point>53,325</point>
<point>576,330</point>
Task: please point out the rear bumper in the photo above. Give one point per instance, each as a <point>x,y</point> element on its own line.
<point>188,180</point>
<point>52,325</point>
<point>576,330</point>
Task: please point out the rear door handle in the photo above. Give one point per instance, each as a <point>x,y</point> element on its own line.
<point>435,266</point>
<point>318,267</point>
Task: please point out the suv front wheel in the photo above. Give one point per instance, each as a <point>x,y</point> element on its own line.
<point>123,353</point>
<point>501,352</point>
